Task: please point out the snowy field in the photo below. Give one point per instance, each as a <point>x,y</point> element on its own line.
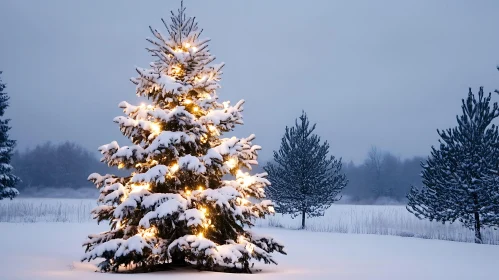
<point>41,239</point>
<point>359,219</point>
<point>50,251</point>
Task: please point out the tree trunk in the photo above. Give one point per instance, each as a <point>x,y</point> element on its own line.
<point>303,219</point>
<point>178,259</point>
<point>478,234</point>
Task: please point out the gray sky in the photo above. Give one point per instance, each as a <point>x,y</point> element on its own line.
<point>384,73</point>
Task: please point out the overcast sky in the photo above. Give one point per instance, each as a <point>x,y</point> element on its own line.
<point>384,73</point>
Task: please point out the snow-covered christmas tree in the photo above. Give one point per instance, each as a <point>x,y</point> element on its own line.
<point>176,206</point>
<point>8,180</point>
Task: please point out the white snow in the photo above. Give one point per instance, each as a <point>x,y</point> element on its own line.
<point>155,174</point>
<point>221,196</point>
<point>51,251</point>
<point>168,138</point>
<point>339,218</point>
<point>117,191</point>
<point>167,84</point>
<point>179,113</point>
<point>194,217</point>
<point>191,163</point>
<point>166,208</point>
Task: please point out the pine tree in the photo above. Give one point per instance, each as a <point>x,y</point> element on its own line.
<point>304,180</point>
<point>8,180</point>
<point>497,90</point>
<point>459,178</point>
<point>175,208</point>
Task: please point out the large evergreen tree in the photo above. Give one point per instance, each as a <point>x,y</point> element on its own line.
<point>304,180</point>
<point>175,207</point>
<point>459,178</point>
<point>8,181</point>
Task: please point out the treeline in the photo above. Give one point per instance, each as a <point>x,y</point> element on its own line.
<point>56,166</point>
<point>382,178</point>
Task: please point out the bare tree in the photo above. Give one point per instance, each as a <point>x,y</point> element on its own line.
<point>374,163</point>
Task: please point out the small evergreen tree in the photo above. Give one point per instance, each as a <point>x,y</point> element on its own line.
<point>8,181</point>
<point>175,208</point>
<point>459,178</point>
<point>304,180</point>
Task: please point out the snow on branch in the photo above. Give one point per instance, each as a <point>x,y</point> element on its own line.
<point>150,80</point>
<point>226,118</point>
<point>119,247</point>
<point>252,185</point>
<point>168,139</point>
<point>155,174</point>
<point>204,252</point>
<point>236,152</point>
<point>191,163</point>
<point>170,205</point>
<point>101,180</point>
<point>116,155</point>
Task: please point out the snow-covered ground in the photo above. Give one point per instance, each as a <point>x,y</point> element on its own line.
<point>52,251</point>
<point>363,219</point>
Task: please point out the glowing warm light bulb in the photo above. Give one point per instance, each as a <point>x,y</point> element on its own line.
<point>231,163</point>
<point>200,235</point>
<point>121,165</point>
<point>203,209</point>
<point>155,128</point>
<point>188,192</point>
<point>177,69</point>
<point>212,128</point>
<point>195,49</point>
<point>187,101</point>
<point>137,188</point>
<point>187,45</point>
<point>248,181</point>
<point>202,78</point>
<point>200,188</point>
<point>240,239</point>
<point>196,108</point>
<point>150,232</point>
<point>203,139</point>
<point>174,168</point>
<point>249,247</point>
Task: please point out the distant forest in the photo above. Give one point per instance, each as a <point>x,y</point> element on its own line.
<point>382,178</point>
<point>61,170</point>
